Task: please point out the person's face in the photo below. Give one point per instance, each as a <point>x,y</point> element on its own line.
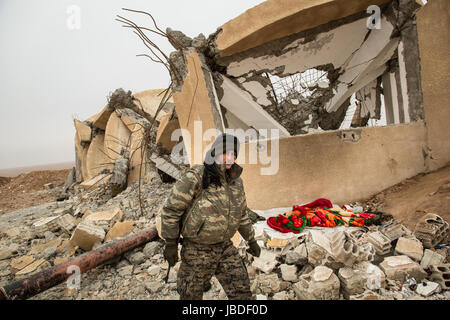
<point>227,158</point>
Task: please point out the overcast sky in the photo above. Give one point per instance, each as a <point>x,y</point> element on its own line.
<point>53,71</point>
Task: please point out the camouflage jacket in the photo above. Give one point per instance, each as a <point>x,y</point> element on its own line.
<point>208,216</point>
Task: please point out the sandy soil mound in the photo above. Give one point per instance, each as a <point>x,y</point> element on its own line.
<point>27,189</point>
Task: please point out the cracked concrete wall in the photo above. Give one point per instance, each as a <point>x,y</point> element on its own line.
<point>433,23</point>
<point>335,165</point>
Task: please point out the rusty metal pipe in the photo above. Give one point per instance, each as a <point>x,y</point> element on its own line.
<point>41,281</point>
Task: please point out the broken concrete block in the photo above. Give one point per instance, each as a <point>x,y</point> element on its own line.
<point>441,274</point>
<point>319,284</point>
<point>153,286</point>
<point>6,253</point>
<point>110,215</point>
<point>19,263</point>
<point>431,230</point>
<point>319,248</point>
<point>47,224</point>
<point>31,267</point>
<point>401,267</point>
<point>120,229</point>
<point>135,258</point>
<point>96,181</point>
<point>431,258</point>
<point>266,262</point>
<point>83,131</point>
<point>366,295</point>
<point>394,231</point>
<point>353,282</point>
<point>363,276</point>
<point>277,243</point>
<point>298,256</point>
<point>60,260</point>
<point>40,248</point>
<point>283,295</point>
<point>152,248</point>
<point>66,222</point>
<point>267,283</point>
<point>428,288</point>
<point>344,248</point>
<point>380,242</point>
<point>289,273</point>
<point>409,247</point>
<point>86,235</point>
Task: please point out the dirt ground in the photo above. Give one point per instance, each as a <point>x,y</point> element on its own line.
<point>27,189</point>
<point>414,197</point>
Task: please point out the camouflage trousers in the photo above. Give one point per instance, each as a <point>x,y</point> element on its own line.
<point>200,262</point>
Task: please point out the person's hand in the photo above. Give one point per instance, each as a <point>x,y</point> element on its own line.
<point>171,252</point>
<point>254,249</point>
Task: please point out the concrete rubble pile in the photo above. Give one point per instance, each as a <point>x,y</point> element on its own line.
<point>386,261</point>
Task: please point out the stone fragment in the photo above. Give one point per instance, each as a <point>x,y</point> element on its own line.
<point>40,248</point>
<point>152,248</point>
<point>431,230</point>
<point>120,229</point>
<point>86,235</point>
<point>125,271</point>
<point>344,248</point>
<point>402,267</point>
<point>66,222</point>
<point>298,256</point>
<point>47,224</point>
<point>363,276</point>
<point>19,263</point>
<point>153,286</point>
<point>49,186</point>
<point>441,274</point>
<point>267,283</point>
<point>409,247</point>
<point>31,267</point>
<point>114,214</point>
<point>394,231</point>
<point>283,295</point>
<point>428,288</point>
<point>380,242</point>
<point>266,262</point>
<point>289,273</point>
<point>60,260</point>
<point>320,284</point>
<point>135,258</point>
<point>8,252</point>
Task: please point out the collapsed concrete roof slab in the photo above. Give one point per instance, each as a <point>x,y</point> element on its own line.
<point>165,166</point>
<point>197,103</point>
<point>82,156</point>
<point>117,136</point>
<point>95,181</point>
<point>136,164</point>
<point>241,104</point>
<point>82,130</point>
<point>100,119</point>
<point>274,19</point>
<point>96,158</point>
<point>164,135</point>
<point>375,68</point>
<point>149,100</point>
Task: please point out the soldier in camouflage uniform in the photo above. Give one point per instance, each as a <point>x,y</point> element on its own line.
<point>207,206</point>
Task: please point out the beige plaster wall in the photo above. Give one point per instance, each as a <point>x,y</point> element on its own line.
<point>324,166</point>
<point>433,25</point>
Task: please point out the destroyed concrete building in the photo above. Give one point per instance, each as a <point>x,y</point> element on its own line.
<point>355,90</point>
<point>295,66</point>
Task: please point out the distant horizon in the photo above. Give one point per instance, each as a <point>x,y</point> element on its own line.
<point>15,171</point>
